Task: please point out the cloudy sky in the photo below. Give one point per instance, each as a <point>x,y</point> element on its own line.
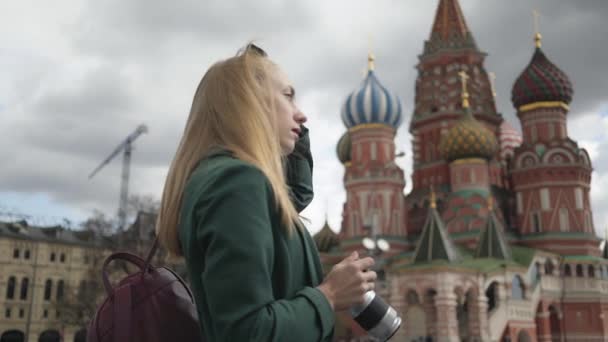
<point>78,76</point>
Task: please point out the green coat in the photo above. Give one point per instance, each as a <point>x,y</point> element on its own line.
<point>251,281</point>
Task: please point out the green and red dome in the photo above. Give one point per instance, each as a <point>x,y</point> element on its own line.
<point>541,81</point>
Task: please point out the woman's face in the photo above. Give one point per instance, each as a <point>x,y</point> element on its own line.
<point>289,116</point>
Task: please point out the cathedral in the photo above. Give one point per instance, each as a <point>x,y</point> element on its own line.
<point>495,241</point>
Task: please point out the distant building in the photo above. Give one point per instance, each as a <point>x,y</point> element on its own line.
<point>495,241</point>
<point>40,265</point>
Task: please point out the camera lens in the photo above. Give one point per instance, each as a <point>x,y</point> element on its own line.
<point>376,317</point>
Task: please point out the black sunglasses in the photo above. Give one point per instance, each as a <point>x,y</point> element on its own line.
<point>256,49</point>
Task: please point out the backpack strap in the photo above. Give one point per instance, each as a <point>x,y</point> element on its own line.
<point>122,314</point>
<point>147,265</point>
<point>132,258</point>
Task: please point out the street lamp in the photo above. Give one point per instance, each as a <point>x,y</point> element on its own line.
<point>375,245</point>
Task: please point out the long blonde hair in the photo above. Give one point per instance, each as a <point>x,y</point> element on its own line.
<point>233,107</point>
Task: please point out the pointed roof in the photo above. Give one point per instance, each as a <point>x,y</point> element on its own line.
<point>449,21</point>
<point>450,31</point>
<point>326,239</point>
<point>434,243</point>
<point>492,243</point>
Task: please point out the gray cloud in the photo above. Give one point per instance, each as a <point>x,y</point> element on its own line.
<point>119,64</point>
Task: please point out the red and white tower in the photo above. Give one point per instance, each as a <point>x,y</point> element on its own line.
<point>551,174</point>
<point>374,183</point>
<point>449,50</point>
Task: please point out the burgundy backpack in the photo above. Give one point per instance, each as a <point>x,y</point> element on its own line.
<point>151,305</point>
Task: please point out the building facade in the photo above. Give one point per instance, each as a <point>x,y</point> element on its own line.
<point>495,241</point>
<point>39,267</point>
<point>50,277</point>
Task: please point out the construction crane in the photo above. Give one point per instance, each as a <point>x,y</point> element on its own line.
<point>126,147</point>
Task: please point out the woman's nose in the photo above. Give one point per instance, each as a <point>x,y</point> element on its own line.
<point>300,117</point>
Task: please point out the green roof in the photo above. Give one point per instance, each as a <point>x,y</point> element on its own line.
<point>523,255</point>
<point>492,243</point>
<point>558,235</point>
<point>521,258</point>
<point>583,258</point>
<point>481,265</point>
<point>434,243</point>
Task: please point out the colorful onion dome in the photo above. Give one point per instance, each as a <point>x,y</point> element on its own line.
<point>326,239</point>
<point>371,103</point>
<point>468,139</point>
<point>344,148</point>
<point>509,139</point>
<point>541,81</point>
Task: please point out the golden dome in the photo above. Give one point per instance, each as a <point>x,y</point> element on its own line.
<point>344,148</point>
<point>468,139</point>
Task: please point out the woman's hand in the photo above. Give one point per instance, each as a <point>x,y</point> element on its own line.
<point>347,282</point>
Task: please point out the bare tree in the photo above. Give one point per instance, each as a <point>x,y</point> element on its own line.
<point>142,203</point>
<point>81,300</point>
<point>77,302</point>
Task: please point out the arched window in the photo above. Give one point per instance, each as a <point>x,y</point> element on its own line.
<point>26,255</point>
<point>16,253</point>
<point>549,267</point>
<point>10,288</point>
<point>412,298</point>
<point>492,295</point>
<point>62,257</point>
<point>579,270</point>
<point>533,134</point>
<point>12,335</point>
<point>52,257</point>
<point>536,222</point>
<point>517,288</point>
<point>48,287</point>
<point>60,290</point>
<point>564,223</point>
<point>535,273</point>
<point>591,271</point>
<point>374,151</point>
<point>25,282</point>
<point>552,130</point>
<point>50,335</point>
<point>567,271</point>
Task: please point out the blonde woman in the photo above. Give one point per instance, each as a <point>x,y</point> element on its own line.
<point>240,175</point>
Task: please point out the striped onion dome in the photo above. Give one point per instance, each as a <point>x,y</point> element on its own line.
<point>371,103</point>
<point>326,239</point>
<point>541,81</point>
<point>344,148</point>
<point>468,138</point>
<point>509,139</point>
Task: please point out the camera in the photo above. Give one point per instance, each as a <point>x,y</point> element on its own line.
<point>375,316</point>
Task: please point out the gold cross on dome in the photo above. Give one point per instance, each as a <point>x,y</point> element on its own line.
<point>370,55</point>
<point>492,83</point>
<point>465,95</point>
<point>537,35</point>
